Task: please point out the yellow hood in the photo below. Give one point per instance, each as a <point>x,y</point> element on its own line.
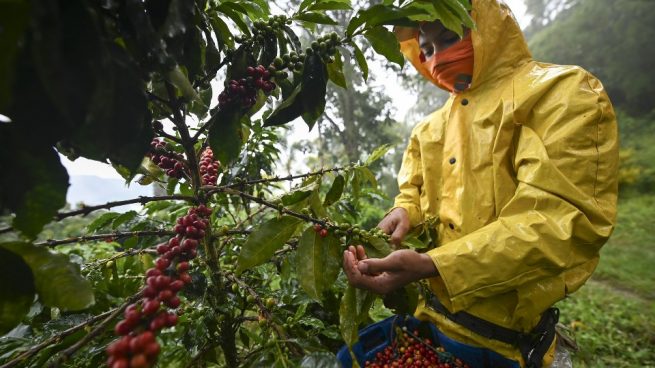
<point>498,43</point>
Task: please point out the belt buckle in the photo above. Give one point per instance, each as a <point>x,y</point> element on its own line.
<point>542,336</point>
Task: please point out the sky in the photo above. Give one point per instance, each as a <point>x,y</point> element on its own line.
<point>402,102</point>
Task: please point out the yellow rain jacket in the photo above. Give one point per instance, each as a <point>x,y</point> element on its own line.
<point>517,175</point>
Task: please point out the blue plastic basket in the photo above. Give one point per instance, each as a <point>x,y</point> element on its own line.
<point>376,337</point>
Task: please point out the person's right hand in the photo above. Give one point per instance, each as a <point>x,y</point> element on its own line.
<point>396,224</point>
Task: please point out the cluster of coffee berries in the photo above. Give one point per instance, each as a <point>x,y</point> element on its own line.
<point>325,46</point>
<point>355,232</point>
<point>292,61</point>
<point>409,350</point>
<point>323,232</point>
<point>208,167</point>
<point>137,346</point>
<point>172,167</point>
<point>244,91</point>
<point>262,29</point>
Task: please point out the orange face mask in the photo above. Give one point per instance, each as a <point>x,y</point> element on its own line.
<point>453,68</point>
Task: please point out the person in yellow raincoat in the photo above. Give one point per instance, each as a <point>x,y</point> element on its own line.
<point>516,175</point>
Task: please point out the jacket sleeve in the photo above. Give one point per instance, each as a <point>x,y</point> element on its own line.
<point>410,180</point>
<point>564,206</point>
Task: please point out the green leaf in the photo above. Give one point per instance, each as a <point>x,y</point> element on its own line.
<point>413,242</point>
<point>335,71</point>
<point>361,60</point>
<point>320,360</point>
<point>57,280</point>
<point>269,50</point>
<point>385,43</point>
<point>200,107</point>
<point>295,41</point>
<point>123,218</point>
<point>225,135</point>
<point>281,45</point>
<point>365,174</point>
<point>331,5</point>
<point>110,120</point>
<point>317,262</point>
<point>222,31</point>
<point>33,184</point>
<point>287,111</point>
<point>335,191</point>
<point>353,310</point>
<point>14,17</point>
<point>378,153</point>
<point>262,243</point>
<point>304,4</point>
<point>316,205</point>
<point>177,77</point>
<point>102,221</point>
<point>317,18</point>
<point>377,247</point>
<point>254,10</point>
<point>73,67</point>
<point>361,18</point>
<point>17,291</point>
<point>295,197</point>
<point>448,18</point>
<point>461,10</point>
<point>314,85</point>
<point>235,17</point>
<point>382,14</point>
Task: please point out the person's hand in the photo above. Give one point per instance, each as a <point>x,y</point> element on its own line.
<point>384,275</point>
<point>396,224</point>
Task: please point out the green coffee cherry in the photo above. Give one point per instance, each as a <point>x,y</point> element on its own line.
<point>278,62</point>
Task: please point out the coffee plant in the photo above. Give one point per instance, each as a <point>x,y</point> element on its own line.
<point>230,267</point>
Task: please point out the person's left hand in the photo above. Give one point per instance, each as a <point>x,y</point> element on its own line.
<point>384,275</point>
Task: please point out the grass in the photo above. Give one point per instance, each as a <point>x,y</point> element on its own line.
<point>613,315</point>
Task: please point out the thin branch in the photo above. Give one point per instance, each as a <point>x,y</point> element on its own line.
<point>187,141</point>
<point>127,253</point>
<point>154,97</point>
<point>336,126</point>
<point>203,128</point>
<point>60,336</point>
<point>65,355</point>
<point>213,189</point>
<point>85,210</point>
<point>117,235</point>
<point>211,74</point>
<point>280,208</point>
<point>54,339</point>
<point>201,352</point>
<point>162,133</point>
<point>265,312</point>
